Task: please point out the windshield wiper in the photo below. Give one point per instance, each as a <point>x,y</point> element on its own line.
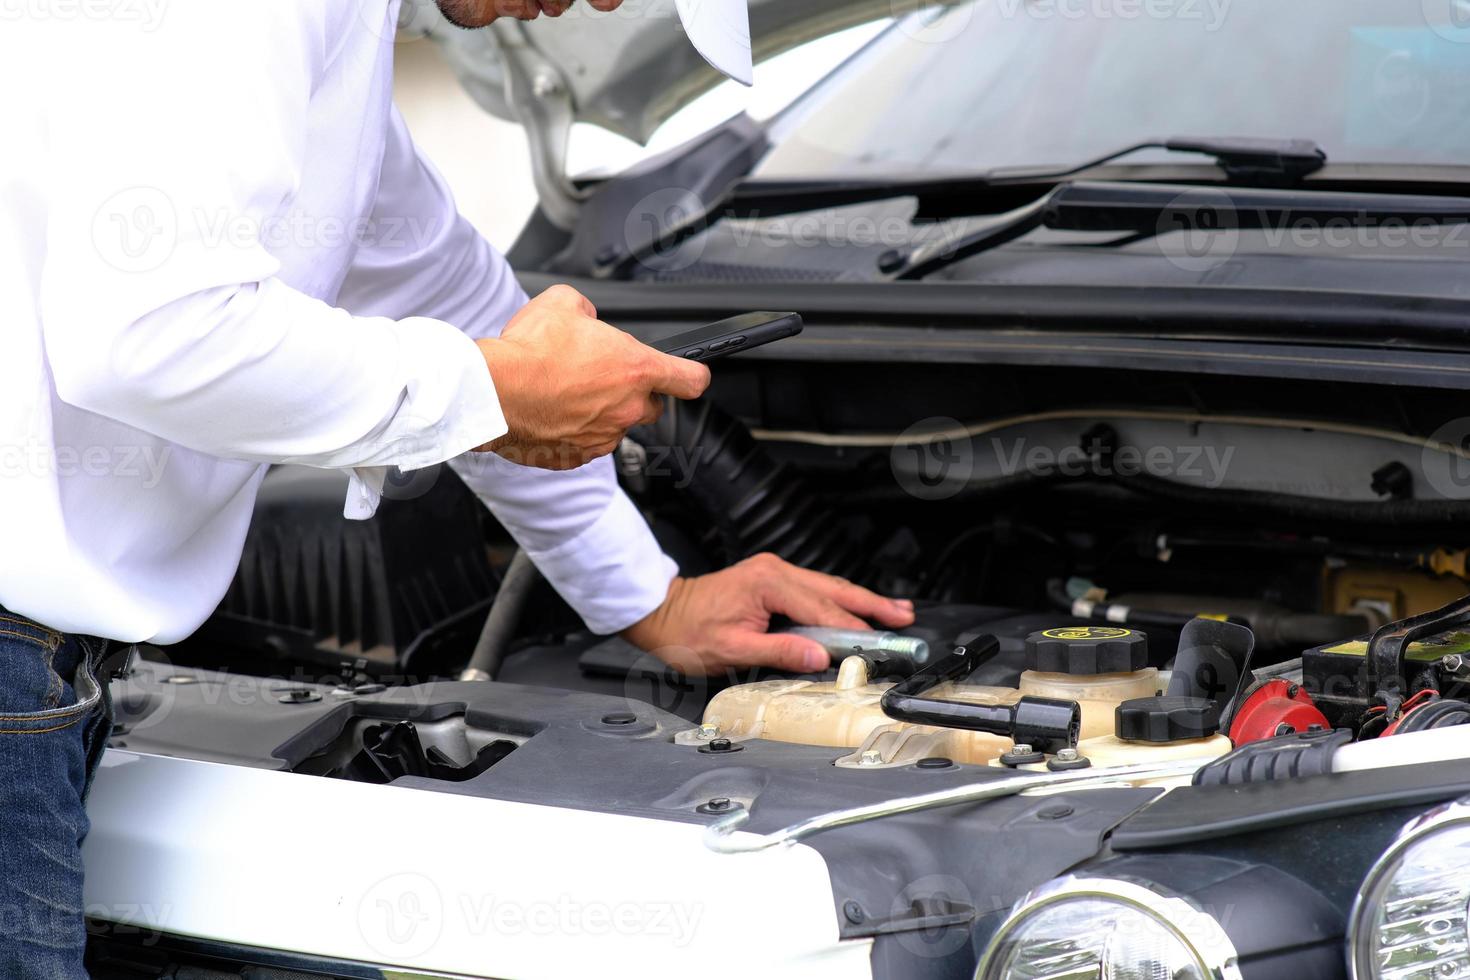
<point>1256,162</point>
<point>1251,162</point>
<point>1147,210</point>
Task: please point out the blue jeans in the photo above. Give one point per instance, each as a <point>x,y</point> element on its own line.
<point>54,723</point>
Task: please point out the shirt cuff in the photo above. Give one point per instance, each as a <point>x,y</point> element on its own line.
<point>614,573</point>
<point>451,408</point>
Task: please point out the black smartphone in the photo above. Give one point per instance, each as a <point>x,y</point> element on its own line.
<point>730,336</point>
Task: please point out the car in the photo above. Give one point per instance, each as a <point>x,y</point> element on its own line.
<point>1135,351</point>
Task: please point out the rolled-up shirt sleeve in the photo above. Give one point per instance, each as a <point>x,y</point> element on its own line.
<point>578,526</point>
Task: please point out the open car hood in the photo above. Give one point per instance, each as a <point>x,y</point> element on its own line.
<point>626,71</point>
<point>631,69</point>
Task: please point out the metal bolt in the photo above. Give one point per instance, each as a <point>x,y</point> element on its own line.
<point>870,757</point>
<point>1021,748</point>
<point>707,731</point>
<point>719,803</point>
<point>545,84</point>
<point>297,695</point>
<point>841,642</point>
<point>1068,755</point>
<point>1453,663</point>
<point>720,745</point>
<point>853,912</point>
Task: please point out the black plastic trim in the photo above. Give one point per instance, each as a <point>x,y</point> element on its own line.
<point>1200,813</point>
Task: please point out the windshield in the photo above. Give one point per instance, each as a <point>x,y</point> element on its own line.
<point>1024,83</point>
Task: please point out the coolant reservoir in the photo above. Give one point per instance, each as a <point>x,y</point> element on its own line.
<point>1098,667</point>
<point>1108,690</point>
<point>841,713</point>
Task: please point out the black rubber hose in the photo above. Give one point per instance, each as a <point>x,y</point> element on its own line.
<point>500,623</point>
<point>1435,714</point>
<point>748,501</point>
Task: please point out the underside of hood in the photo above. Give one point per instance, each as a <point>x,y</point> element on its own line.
<point>631,69</point>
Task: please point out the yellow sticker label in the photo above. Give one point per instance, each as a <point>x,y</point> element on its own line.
<point>1087,633</point>
<point>1420,651</point>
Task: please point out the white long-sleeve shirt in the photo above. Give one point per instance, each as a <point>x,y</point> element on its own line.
<point>219,249</point>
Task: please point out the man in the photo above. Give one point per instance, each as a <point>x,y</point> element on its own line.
<point>219,250</point>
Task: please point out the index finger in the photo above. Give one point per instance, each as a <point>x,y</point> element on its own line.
<point>854,598</point>
<point>676,376</point>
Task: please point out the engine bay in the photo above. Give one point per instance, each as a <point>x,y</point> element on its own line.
<point>1277,596</point>
<point>1191,577</point>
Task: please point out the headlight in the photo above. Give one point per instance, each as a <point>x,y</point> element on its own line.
<point>1107,929</point>
<point>1409,921</point>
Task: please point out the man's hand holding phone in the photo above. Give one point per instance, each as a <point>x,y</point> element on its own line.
<point>571,386</point>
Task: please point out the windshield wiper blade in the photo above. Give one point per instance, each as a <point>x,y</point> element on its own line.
<point>1153,209</point>
<point>1257,162</point>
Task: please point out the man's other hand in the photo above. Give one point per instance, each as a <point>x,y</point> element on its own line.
<point>720,620</point>
<point>571,386</point>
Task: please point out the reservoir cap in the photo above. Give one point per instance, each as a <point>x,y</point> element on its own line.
<point>1087,650</point>
<point>1166,719</point>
